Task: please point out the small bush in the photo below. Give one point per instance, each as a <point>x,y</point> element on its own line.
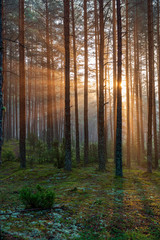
<point>8,155</point>
<point>61,155</point>
<point>32,140</point>
<point>38,198</point>
<point>40,151</point>
<point>93,153</point>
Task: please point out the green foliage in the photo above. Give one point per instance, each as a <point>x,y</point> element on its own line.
<point>134,235</point>
<point>8,155</point>
<point>61,155</point>
<point>88,235</point>
<point>32,140</point>
<point>37,198</point>
<point>93,153</point>
<point>93,228</point>
<point>38,152</point>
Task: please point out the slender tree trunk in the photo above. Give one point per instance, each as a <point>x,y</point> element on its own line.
<point>4,132</point>
<point>158,60</point>
<point>1,76</point>
<point>61,102</point>
<point>49,84</point>
<point>132,105</point>
<point>22,86</point>
<point>16,103</point>
<point>101,143</point>
<point>137,90</point>
<point>43,99</point>
<point>118,155</point>
<point>141,119</point>
<point>67,88</point>
<point>10,95</point>
<point>155,126</point>
<point>154,109</point>
<point>110,106</point>
<point>150,48</point>
<point>127,92</point>
<point>147,87</point>
<point>96,56</point>
<point>35,97</point>
<point>105,114</point>
<point>114,74</point>
<point>29,94</point>
<point>56,137</point>
<point>85,86</point>
<point>75,88</point>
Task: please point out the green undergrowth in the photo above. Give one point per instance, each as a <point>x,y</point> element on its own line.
<point>99,205</point>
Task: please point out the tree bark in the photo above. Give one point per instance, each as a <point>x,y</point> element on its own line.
<point>67,88</point>
<point>1,76</point>
<point>85,86</point>
<point>118,155</point>
<point>75,88</point>
<point>49,84</point>
<point>158,61</point>
<point>101,143</point>
<point>114,74</point>
<point>150,49</point>
<point>96,56</point>
<point>127,92</point>
<point>22,86</point>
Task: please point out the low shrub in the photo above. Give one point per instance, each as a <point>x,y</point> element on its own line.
<point>37,198</point>
<point>32,140</point>
<point>8,155</point>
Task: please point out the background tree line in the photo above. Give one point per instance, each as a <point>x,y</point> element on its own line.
<point>86,72</point>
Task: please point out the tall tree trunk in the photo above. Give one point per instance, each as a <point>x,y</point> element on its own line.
<point>127,92</point>
<point>118,155</point>
<point>16,103</point>
<point>101,143</point>
<point>49,84</point>
<point>154,109</point>
<point>22,86</point>
<point>1,75</point>
<point>150,48</point>
<point>61,122</point>
<point>136,80</point>
<point>96,56</point>
<point>85,86</point>
<point>43,99</point>
<point>30,75</point>
<point>4,132</point>
<point>105,112</point>
<point>35,95</point>
<point>10,94</point>
<point>67,88</point>
<point>158,60</point>
<point>114,74</point>
<point>141,119</point>
<point>75,88</point>
<point>56,137</point>
<point>147,87</point>
<point>131,104</point>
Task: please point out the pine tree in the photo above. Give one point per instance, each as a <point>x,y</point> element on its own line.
<point>150,49</point>
<point>22,86</point>
<point>101,143</point>
<point>67,88</point>
<point>118,154</point>
<point>1,76</point>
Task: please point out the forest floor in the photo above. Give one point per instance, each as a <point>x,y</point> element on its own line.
<point>89,204</point>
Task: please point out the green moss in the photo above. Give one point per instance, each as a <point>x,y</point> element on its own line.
<point>127,208</point>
